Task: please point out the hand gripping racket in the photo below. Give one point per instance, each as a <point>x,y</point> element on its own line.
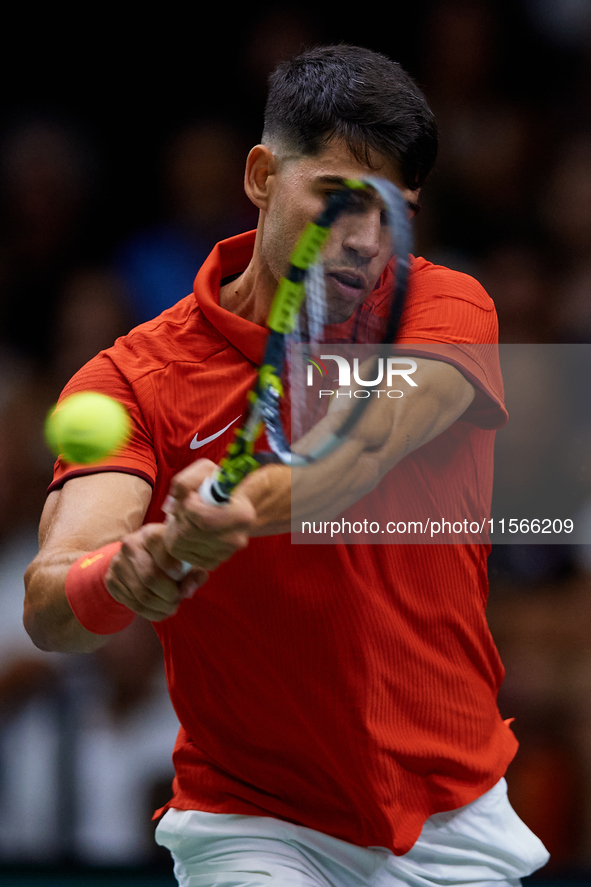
<point>299,304</point>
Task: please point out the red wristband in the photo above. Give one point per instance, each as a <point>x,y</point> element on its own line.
<point>87,594</point>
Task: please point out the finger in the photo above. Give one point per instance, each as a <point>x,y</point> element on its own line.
<point>192,581</point>
<point>206,556</point>
<point>140,600</point>
<point>207,550</point>
<point>203,534</point>
<point>185,541</point>
<point>141,590</point>
<point>141,579</point>
<point>190,478</point>
<point>239,514</point>
<point>184,495</point>
<point>155,545</point>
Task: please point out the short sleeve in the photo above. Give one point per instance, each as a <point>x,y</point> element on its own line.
<point>450,317</point>
<point>105,374</point>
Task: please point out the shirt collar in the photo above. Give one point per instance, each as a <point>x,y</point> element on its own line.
<point>227,258</point>
<point>230,257</point>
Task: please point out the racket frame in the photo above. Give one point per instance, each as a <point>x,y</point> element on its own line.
<point>264,398</point>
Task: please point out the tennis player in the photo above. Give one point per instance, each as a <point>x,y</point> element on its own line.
<point>338,703</point>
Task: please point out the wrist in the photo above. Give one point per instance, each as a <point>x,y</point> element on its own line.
<point>92,604</point>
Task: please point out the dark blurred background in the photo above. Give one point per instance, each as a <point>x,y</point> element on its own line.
<point>123,135</point>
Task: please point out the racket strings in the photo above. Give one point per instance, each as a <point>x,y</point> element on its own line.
<point>298,337</point>
<point>310,329</point>
<point>371,323</point>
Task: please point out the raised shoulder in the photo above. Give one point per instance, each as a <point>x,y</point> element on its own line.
<point>447,306</point>
<point>428,279</point>
<point>180,333</point>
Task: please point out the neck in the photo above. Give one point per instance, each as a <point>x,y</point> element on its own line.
<point>251,294</point>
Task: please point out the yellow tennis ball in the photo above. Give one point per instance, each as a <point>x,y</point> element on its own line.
<point>87,427</point>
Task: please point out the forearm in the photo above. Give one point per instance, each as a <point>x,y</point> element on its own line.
<point>285,496</point>
<point>282,495</point>
<point>269,490</point>
<point>48,617</point>
<point>86,514</point>
<point>269,500</point>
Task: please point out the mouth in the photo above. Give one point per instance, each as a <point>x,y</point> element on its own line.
<point>350,283</point>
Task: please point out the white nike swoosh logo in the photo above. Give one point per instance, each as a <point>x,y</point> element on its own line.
<point>195,443</point>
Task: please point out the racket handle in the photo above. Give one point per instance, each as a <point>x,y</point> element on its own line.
<point>210,492</point>
<point>208,496</point>
<point>205,491</point>
<point>185,566</point>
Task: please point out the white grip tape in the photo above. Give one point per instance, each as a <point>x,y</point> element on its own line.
<point>205,491</point>
<point>206,495</point>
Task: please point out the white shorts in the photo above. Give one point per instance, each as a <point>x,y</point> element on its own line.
<point>483,844</point>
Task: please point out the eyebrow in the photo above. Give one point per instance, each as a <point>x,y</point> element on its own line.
<point>413,205</point>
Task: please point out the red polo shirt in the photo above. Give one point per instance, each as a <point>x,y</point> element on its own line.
<point>347,688</point>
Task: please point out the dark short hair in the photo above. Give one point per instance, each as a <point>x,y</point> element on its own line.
<point>359,96</point>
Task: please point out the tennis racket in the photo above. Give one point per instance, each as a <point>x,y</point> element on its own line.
<point>299,315</point>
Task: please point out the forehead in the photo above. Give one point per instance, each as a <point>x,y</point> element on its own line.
<point>337,162</point>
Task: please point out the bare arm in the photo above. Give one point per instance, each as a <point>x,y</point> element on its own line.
<point>87,513</point>
<point>389,431</point>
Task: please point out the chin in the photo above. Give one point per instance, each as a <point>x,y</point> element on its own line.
<point>341,312</point>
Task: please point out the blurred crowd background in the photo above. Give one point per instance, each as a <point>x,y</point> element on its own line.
<point>122,144</point>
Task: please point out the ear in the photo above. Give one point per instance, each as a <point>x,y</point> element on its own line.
<point>261,168</point>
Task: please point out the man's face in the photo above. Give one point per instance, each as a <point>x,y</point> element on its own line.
<point>359,246</point>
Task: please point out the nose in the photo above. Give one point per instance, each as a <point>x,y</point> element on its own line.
<point>363,232</point>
